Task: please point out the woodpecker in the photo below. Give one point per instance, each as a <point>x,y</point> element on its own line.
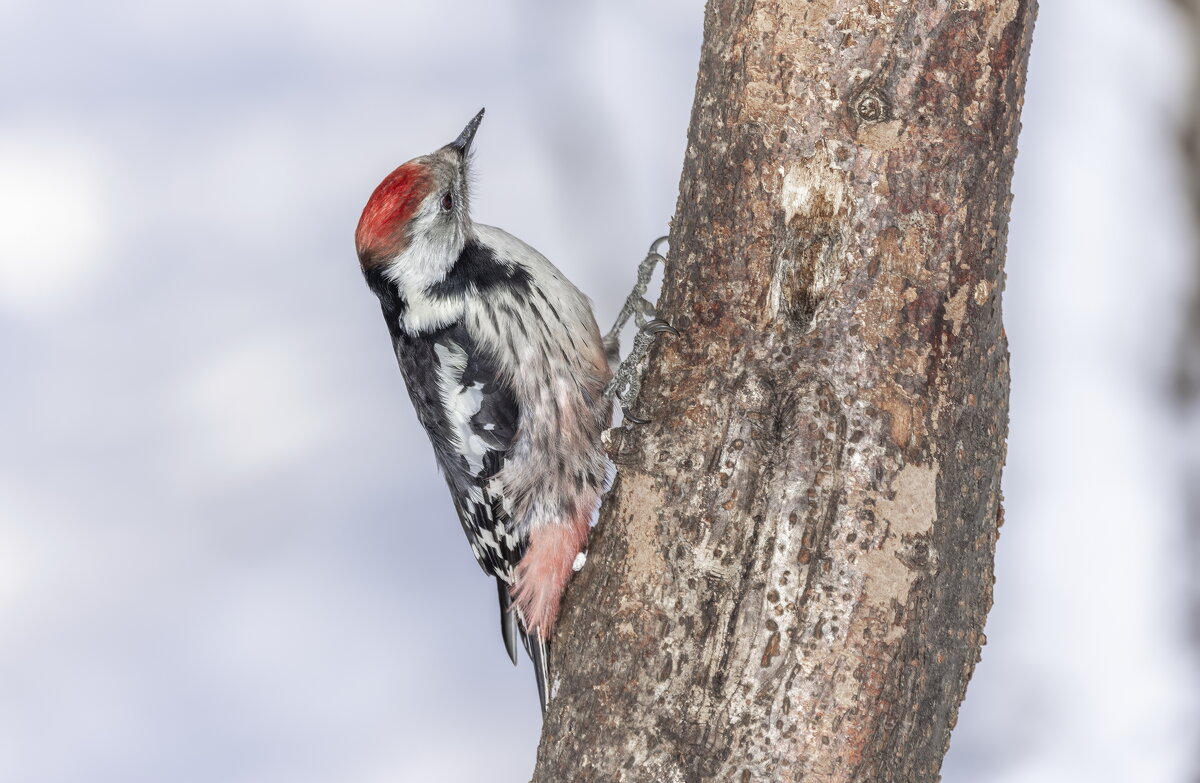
<point>507,372</point>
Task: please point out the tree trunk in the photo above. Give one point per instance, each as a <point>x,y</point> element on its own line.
<point>790,576</point>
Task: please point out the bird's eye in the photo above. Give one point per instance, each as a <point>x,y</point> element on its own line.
<point>447,202</point>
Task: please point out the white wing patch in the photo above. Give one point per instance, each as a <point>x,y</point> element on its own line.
<point>460,404</point>
<point>427,313</point>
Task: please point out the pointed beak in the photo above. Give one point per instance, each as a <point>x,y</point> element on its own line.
<point>463,143</point>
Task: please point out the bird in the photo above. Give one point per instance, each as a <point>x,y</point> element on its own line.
<point>507,372</point>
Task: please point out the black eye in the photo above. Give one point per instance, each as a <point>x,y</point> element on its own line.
<point>447,202</point>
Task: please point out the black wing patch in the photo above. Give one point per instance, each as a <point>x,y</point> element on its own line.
<point>471,416</point>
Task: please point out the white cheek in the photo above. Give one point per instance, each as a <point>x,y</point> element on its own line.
<point>436,240</point>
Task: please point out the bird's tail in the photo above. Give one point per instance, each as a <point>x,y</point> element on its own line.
<point>508,621</point>
<point>537,648</point>
<point>539,654</point>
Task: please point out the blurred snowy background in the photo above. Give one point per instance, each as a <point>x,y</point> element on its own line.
<point>225,554</point>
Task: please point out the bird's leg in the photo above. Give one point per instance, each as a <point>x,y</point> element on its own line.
<point>627,375</point>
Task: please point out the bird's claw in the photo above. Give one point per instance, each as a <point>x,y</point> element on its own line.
<point>653,329</point>
<point>627,416</point>
<point>658,326</point>
<point>626,381</point>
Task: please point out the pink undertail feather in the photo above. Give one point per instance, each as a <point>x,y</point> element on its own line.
<point>544,570</point>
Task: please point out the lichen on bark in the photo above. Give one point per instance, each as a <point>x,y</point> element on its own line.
<point>791,573</point>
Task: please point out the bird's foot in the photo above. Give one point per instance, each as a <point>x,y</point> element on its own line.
<point>626,382</point>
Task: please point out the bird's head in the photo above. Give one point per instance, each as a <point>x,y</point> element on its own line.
<point>416,222</point>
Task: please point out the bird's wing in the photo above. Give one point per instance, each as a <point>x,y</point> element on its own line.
<point>483,415</point>
<point>479,416</point>
<point>472,416</point>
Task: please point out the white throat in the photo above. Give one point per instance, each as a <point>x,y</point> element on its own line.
<point>434,247</point>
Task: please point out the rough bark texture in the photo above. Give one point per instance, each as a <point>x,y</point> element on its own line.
<point>791,575</point>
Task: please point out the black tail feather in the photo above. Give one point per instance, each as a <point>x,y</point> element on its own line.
<point>539,655</point>
<point>508,622</point>
<point>537,648</point>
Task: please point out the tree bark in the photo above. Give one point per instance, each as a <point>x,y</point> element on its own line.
<point>791,574</point>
